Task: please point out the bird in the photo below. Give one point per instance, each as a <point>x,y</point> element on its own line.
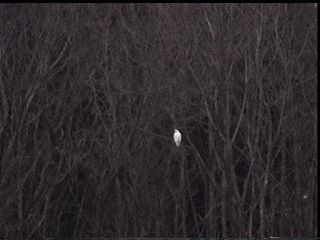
<point>177,137</point>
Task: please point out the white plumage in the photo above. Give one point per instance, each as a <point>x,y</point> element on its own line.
<point>177,137</point>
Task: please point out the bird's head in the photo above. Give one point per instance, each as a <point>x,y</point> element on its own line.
<point>176,130</point>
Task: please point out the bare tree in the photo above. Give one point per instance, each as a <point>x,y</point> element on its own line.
<point>90,95</point>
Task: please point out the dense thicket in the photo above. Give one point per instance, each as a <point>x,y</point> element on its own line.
<point>90,95</point>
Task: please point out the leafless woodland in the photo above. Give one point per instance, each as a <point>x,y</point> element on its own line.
<point>90,95</point>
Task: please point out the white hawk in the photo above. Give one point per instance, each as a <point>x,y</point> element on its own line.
<point>177,137</point>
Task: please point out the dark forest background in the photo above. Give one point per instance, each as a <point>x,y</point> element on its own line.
<point>90,95</point>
